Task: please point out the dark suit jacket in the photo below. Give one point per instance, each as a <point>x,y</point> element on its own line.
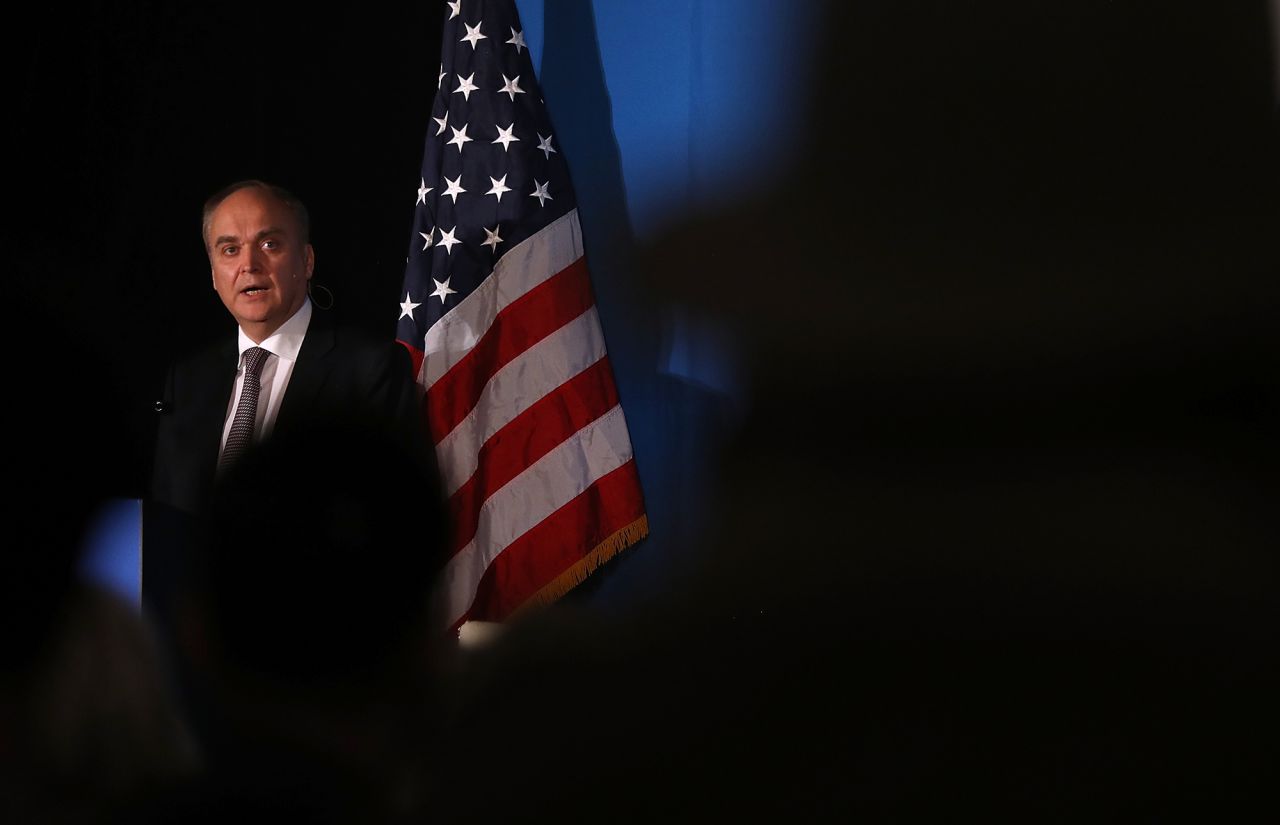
<point>340,372</point>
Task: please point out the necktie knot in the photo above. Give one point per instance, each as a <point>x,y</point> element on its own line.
<point>254,358</point>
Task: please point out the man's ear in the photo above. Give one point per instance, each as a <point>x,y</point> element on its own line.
<point>309,255</point>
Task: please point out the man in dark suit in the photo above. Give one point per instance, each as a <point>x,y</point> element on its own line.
<point>310,381</point>
<point>261,260</point>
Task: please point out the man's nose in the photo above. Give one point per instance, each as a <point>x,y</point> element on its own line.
<point>251,260</point>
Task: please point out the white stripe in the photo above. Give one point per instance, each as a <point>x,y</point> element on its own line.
<point>524,266</point>
<point>550,483</point>
<point>516,387</point>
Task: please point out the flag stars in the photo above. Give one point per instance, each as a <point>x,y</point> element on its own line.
<point>544,145</point>
<point>426,239</point>
<point>423,189</point>
<point>455,8</point>
<point>441,123</point>
<point>473,35</point>
<point>540,192</point>
<point>442,289</point>
<point>454,189</point>
<point>459,137</point>
<point>517,40</point>
<point>505,136</point>
<point>407,306</point>
<point>440,79</point>
<point>447,240</point>
<point>491,237</point>
<point>466,86</point>
<point>511,87</point>
<point>499,186</point>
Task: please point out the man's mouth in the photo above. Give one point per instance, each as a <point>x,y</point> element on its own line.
<point>253,290</point>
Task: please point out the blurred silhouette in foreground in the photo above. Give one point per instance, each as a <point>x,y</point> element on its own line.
<point>999,532</point>
<point>306,644</point>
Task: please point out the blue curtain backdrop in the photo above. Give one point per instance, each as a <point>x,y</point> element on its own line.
<point>664,109</point>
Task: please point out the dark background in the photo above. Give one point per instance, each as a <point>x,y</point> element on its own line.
<point>128,115</point>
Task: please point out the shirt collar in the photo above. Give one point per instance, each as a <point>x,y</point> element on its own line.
<point>285,341</point>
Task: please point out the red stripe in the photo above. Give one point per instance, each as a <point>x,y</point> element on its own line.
<point>557,543</point>
<point>414,353</point>
<point>527,438</point>
<point>526,321</point>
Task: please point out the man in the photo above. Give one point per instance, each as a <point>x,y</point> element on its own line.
<point>308,369</point>
<point>292,376</point>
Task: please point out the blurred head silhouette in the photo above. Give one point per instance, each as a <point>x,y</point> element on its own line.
<point>323,546</point>
<point>312,660</point>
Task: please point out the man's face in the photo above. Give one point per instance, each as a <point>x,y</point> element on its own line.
<point>260,265</point>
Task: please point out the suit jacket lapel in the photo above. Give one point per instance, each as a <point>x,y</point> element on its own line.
<point>309,372</point>
<point>213,385</point>
<point>202,406</point>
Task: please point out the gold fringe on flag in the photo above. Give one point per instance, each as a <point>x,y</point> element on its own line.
<point>575,575</point>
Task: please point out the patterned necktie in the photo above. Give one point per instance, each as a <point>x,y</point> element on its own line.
<point>241,435</point>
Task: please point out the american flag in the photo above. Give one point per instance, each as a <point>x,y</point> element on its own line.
<point>501,321</point>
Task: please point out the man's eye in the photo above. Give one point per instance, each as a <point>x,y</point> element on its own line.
<point>230,250</point>
<point>269,244</point>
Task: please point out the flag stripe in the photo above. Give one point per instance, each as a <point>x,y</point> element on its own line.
<point>533,434</point>
<point>516,387</point>
<point>558,543</point>
<point>534,316</point>
<point>547,485</point>
<point>523,267</point>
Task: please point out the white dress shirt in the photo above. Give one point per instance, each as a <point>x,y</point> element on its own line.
<point>283,344</point>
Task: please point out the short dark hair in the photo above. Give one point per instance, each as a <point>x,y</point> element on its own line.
<point>283,195</point>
